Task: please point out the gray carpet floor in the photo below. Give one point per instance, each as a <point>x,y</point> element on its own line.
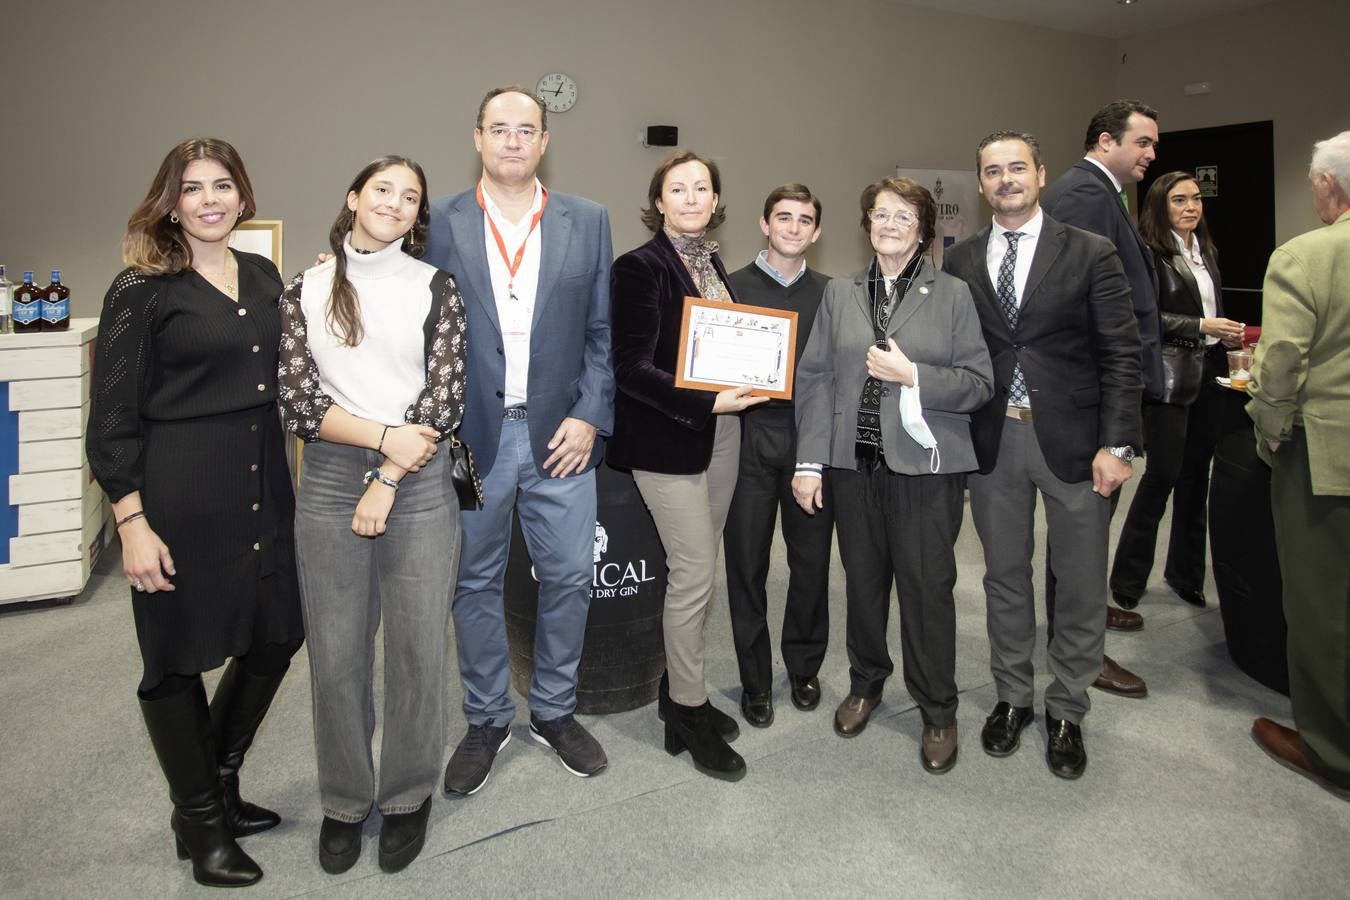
<point>1177,800</point>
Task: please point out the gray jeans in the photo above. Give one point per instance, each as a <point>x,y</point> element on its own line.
<point>348,584</point>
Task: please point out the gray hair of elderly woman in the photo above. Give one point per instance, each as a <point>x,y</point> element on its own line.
<point>1332,156</point>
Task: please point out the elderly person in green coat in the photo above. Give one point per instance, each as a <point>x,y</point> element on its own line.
<point>1300,402</point>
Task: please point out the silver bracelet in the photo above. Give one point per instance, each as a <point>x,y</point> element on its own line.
<point>376,475</point>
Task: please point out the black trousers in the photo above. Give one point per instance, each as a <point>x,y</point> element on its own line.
<point>764,495</point>
<point>901,528</point>
<point>1180,445</point>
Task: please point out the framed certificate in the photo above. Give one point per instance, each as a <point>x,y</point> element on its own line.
<point>725,345</point>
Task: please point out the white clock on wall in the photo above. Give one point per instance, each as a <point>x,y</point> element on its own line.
<point>558,91</point>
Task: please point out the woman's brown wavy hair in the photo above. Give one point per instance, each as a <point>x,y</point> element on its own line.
<point>152,243</point>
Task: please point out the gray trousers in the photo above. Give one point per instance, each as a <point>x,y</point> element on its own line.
<point>348,586</point>
<point>1003,507</point>
<point>689,511</point>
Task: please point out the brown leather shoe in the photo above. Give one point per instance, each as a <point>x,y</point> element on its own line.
<point>1286,747</point>
<point>937,749</point>
<point>1116,679</point>
<point>852,715</point>
<point>1123,620</point>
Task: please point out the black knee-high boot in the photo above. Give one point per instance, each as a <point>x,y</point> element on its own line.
<point>180,730</point>
<point>237,709</point>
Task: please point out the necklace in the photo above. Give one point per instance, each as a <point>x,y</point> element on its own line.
<point>225,281</point>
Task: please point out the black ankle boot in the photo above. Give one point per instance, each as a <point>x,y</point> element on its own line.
<point>691,728</point>
<point>722,723</point>
<point>237,710</point>
<point>180,730</point>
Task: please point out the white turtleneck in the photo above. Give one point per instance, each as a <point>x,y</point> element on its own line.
<point>381,376</point>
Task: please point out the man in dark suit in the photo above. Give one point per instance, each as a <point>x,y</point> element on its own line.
<point>1055,309</point>
<point>533,267</point>
<point>1119,146</point>
<point>780,278</point>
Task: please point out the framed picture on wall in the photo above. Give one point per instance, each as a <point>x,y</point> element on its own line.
<point>260,236</point>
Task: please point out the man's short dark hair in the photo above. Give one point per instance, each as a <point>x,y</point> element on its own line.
<point>791,191</point>
<point>1114,118</point>
<point>1029,139</point>
<point>513,89</point>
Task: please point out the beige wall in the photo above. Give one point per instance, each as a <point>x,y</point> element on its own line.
<point>1284,62</point>
<point>835,94</point>
<point>831,93</point>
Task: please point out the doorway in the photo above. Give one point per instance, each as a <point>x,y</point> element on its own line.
<point>1235,168</point>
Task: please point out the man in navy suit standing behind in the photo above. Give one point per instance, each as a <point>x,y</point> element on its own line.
<point>533,267</point>
<point>1119,146</point>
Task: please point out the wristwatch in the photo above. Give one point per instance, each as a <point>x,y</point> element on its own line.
<point>1124,454</point>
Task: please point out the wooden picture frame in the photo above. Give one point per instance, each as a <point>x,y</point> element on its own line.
<point>727,345</point>
<point>260,236</point>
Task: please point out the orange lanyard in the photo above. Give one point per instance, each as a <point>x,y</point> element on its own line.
<point>512,266</point>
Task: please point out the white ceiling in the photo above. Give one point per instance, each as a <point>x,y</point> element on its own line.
<point>1107,18</point>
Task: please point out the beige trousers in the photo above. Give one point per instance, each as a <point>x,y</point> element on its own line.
<point>689,511</point>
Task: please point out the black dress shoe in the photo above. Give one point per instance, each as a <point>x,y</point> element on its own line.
<point>339,845</point>
<point>402,836</point>
<point>757,708</point>
<point>1191,595</point>
<point>805,692</point>
<point>1064,752</point>
<point>1123,601</point>
<point>1003,729</point>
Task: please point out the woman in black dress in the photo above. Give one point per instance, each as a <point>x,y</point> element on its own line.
<point>185,438</point>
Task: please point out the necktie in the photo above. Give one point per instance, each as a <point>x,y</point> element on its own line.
<point>1124,201</point>
<point>1007,298</point>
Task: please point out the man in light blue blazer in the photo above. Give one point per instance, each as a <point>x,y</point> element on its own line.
<point>533,267</point>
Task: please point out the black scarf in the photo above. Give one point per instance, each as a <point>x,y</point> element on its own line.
<point>867,440</point>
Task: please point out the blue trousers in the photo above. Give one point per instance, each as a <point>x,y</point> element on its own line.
<point>557,517</point>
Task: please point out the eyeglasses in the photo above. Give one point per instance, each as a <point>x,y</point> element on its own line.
<point>526,134</point>
<point>901,217</point>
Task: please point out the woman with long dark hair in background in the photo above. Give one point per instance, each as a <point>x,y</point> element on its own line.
<point>372,377</point>
<point>1181,429</point>
<point>184,437</point>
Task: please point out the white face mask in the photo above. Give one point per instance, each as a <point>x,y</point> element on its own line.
<point>911,419</point>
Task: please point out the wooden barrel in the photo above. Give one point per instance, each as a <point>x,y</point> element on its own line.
<point>1242,547</point>
<point>624,654</point>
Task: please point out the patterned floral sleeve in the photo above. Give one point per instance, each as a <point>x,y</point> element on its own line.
<point>122,363</point>
<point>303,403</point>
<point>441,403</point>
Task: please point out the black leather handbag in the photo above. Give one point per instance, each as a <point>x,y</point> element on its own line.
<point>465,477</point>
<point>1183,371</point>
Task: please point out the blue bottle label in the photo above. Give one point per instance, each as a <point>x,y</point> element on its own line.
<point>26,313</point>
<point>55,310</point>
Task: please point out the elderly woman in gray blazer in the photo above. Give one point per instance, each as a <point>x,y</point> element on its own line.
<point>895,365</point>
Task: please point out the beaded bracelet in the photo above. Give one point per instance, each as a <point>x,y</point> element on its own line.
<point>377,475</point>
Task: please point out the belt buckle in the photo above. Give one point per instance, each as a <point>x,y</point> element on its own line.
<point>1020,413</point>
<point>513,413</point>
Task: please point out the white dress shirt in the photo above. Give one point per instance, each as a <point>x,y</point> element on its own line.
<point>516,314</point>
<point>1114,180</point>
<point>1026,248</point>
<point>1196,263</point>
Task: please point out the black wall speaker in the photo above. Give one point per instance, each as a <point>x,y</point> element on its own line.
<point>661,136</point>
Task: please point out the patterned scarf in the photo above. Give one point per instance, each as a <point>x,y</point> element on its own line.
<point>696,251</point>
<point>867,440</point>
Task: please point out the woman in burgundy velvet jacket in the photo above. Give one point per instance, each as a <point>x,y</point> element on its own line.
<point>683,445</point>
